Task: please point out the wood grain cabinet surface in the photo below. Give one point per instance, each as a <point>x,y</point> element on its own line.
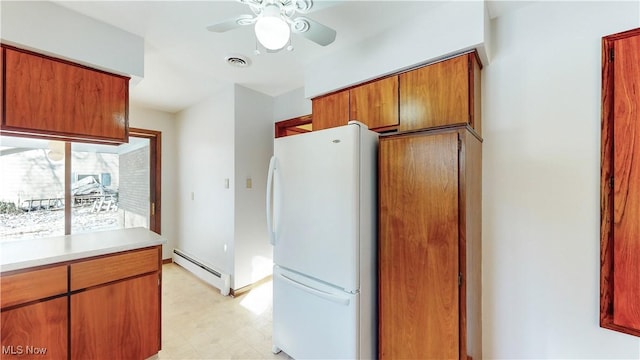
<point>330,110</point>
<point>441,94</point>
<point>117,321</point>
<point>42,95</point>
<point>620,184</point>
<point>376,103</point>
<point>429,239</point>
<point>23,287</point>
<point>109,305</point>
<point>35,331</point>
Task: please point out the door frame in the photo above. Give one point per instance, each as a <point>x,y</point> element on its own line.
<point>155,172</point>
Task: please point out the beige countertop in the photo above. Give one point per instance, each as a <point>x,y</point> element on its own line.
<point>22,254</point>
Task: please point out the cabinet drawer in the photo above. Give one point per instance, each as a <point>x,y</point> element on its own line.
<point>32,285</point>
<point>111,268</point>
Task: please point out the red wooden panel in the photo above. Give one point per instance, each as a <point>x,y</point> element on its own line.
<point>626,207</point>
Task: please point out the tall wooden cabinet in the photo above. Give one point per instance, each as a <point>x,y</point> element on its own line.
<point>620,188</point>
<point>430,246</point>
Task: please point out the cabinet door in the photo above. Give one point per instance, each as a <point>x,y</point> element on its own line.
<point>418,300</point>
<point>376,104</point>
<point>36,331</point>
<point>117,321</point>
<point>47,96</point>
<point>620,188</point>
<point>330,111</point>
<point>435,95</point>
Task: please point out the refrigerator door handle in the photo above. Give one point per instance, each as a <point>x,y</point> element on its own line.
<point>269,202</point>
<point>314,291</point>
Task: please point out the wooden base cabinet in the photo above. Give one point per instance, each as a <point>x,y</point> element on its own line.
<point>118,321</point>
<point>104,307</point>
<point>430,251</point>
<point>35,331</point>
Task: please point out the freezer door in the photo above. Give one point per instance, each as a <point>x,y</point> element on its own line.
<point>315,204</point>
<point>312,320</point>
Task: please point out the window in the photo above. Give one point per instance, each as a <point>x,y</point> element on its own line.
<point>31,188</point>
<point>106,186</point>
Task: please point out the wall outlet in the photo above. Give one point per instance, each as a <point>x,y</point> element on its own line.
<point>249,183</point>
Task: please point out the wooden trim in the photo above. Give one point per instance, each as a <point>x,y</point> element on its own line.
<point>155,174</point>
<point>281,127</point>
<point>606,200</point>
<point>435,130</point>
<point>245,289</point>
<point>3,85</point>
<point>167,261</point>
<point>67,188</point>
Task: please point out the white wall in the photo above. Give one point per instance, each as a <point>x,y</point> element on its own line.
<point>227,136</point>
<point>166,123</point>
<point>291,105</point>
<point>48,28</point>
<point>254,147</point>
<point>205,135</point>
<point>449,28</point>
<point>541,129</point>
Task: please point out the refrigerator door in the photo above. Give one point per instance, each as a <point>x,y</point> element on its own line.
<point>315,205</point>
<point>312,320</point>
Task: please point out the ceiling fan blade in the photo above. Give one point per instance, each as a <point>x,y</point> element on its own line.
<point>231,24</point>
<point>313,30</point>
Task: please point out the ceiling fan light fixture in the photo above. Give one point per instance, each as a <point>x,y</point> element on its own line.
<point>271,30</point>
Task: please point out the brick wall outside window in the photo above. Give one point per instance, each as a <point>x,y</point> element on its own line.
<point>134,181</point>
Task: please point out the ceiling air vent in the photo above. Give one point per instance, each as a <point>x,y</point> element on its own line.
<point>237,61</point>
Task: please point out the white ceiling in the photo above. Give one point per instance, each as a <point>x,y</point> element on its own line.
<point>185,63</point>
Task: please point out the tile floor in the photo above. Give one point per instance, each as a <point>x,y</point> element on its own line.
<point>199,323</point>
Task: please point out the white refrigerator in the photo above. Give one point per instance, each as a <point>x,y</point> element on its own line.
<point>321,217</point>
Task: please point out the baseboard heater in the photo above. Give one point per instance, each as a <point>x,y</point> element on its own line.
<point>204,272</point>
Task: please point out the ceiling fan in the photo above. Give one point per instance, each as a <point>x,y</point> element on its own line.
<point>275,20</point>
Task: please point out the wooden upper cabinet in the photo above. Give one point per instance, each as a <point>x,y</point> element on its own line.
<point>441,94</point>
<point>47,96</point>
<point>620,188</point>
<point>330,110</point>
<point>376,103</point>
